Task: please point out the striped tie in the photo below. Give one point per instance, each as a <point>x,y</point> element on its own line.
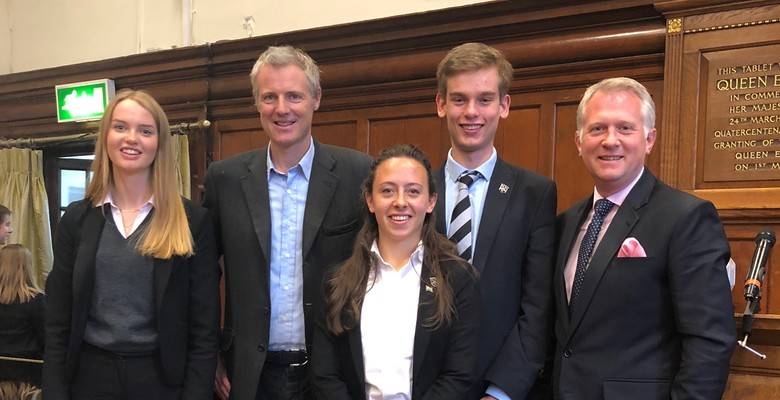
<point>460,223</point>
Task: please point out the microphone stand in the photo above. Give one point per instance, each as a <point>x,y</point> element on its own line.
<point>764,242</point>
<point>747,325</point>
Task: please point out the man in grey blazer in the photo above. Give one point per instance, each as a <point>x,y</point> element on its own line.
<point>643,304</point>
<point>284,214</point>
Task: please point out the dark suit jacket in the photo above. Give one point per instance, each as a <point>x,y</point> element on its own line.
<point>185,296</point>
<point>443,360</point>
<point>237,195</point>
<point>21,329</point>
<point>514,255</point>
<point>658,327</point>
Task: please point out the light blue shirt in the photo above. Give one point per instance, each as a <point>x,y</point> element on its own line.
<point>287,198</point>
<point>477,191</point>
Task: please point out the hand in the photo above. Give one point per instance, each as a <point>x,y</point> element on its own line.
<point>221,381</point>
<point>486,397</point>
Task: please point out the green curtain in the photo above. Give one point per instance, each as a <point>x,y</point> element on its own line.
<point>181,150</point>
<point>22,190</point>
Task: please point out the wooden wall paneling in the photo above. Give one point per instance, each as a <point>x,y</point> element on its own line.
<point>340,133</point>
<point>669,147</point>
<point>237,136</point>
<point>573,180</point>
<point>751,377</point>
<point>428,132</point>
<point>742,243</point>
<point>519,136</point>
<point>200,149</point>
<point>703,37</point>
<point>656,90</point>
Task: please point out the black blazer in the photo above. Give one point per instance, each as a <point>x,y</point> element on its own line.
<point>658,327</point>
<point>514,255</point>
<point>21,328</point>
<point>237,195</point>
<point>185,296</point>
<point>443,360</point>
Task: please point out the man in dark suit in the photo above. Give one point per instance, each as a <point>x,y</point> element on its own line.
<point>643,303</point>
<point>503,220</point>
<point>283,215</point>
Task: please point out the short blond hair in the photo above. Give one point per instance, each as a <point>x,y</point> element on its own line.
<point>282,56</point>
<point>470,57</point>
<point>621,84</point>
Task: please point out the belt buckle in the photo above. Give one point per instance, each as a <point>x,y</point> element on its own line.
<point>296,365</point>
<point>305,359</point>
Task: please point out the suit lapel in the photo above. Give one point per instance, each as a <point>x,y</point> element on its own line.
<point>322,185</point>
<point>425,309</point>
<point>441,202</point>
<point>255,186</point>
<point>496,202</point>
<point>621,225</point>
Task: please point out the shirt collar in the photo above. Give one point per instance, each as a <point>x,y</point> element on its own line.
<point>415,260</point>
<point>455,169</point>
<point>305,162</point>
<point>109,199</point>
<point>620,196</point>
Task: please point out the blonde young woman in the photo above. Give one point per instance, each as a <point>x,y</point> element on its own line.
<point>132,295</point>
<point>21,305</point>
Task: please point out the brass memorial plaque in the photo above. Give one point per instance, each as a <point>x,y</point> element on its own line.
<point>742,129</point>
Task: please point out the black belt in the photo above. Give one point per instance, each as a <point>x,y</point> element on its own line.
<point>291,358</point>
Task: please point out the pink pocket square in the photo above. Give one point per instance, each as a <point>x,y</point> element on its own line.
<point>631,248</point>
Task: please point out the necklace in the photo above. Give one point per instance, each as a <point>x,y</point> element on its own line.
<point>135,210</point>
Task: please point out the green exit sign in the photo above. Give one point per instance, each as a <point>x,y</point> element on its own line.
<point>83,101</point>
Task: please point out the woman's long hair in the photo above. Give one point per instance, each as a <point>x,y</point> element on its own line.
<point>168,233</point>
<point>17,282</point>
<point>347,287</point>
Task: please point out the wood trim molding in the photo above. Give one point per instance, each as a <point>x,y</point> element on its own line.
<point>670,124</point>
<point>374,63</point>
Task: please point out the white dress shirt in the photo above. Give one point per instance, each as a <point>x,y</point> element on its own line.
<point>388,321</point>
<point>477,192</point>
<point>617,198</point>
<point>117,215</point>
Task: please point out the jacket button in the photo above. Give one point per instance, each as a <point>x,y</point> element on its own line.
<point>567,353</point>
<point>261,348</point>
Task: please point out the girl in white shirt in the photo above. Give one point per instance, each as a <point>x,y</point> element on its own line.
<point>401,314</point>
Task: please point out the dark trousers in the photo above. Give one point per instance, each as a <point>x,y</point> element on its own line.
<point>280,381</point>
<point>104,375</point>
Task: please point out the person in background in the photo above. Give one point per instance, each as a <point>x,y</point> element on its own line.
<point>502,219</point>
<point>402,313</point>
<point>283,215</point>
<point>132,298</point>
<point>21,305</point>
<point>6,227</point>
